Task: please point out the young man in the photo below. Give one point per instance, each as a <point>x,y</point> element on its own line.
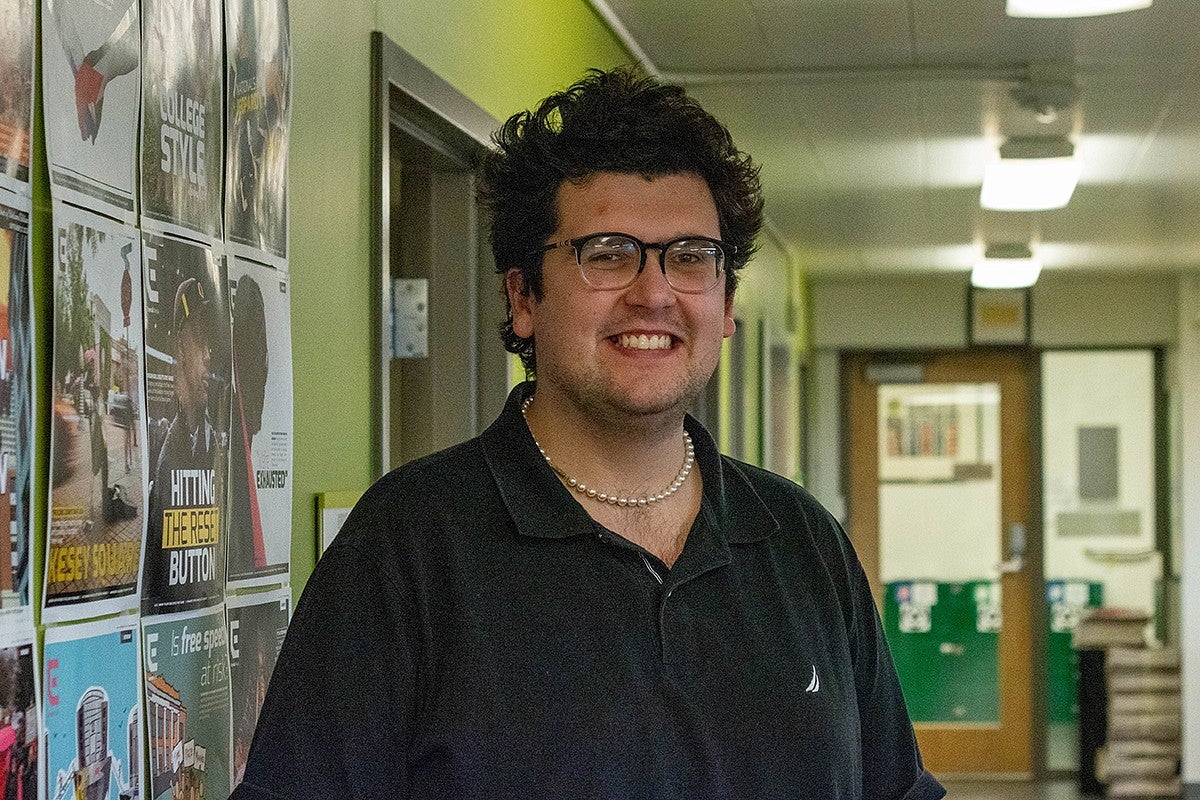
<point>588,601</point>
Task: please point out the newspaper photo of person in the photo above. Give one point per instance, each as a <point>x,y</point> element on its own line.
<point>93,711</point>
<point>97,432</point>
<point>19,730</point>
<point>187,705</point>
<point>182,130</point>
<point>16,93</point>
<point>257,626</point>
<point>260,462</point>
<point>91,53</point>
<point>258,120</point>
<point>16,407</point>
<point>187,401</point>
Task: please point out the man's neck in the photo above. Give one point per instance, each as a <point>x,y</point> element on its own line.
<point>635,458</point>
<point>632,455</point>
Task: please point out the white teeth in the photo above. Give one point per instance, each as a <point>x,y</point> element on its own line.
<point>644,342</point>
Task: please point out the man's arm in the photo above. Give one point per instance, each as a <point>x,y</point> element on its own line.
<point>890,755</point>
<point>338,714</point>
<point>891,762</point>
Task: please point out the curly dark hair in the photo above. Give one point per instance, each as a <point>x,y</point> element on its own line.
<point>610,121</point>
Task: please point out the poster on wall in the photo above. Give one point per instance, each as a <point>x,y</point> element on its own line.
<point>260,462</point>
<point>97,500</point>
<point>258,115</point>
<point>19,728</point>
<point>16,93</point>
<point>187,705</point>
<point>182,130</point>
<point>93,710</point>
<point>187,403</point>
<point>257,626</point>
<point>91,54</point>
<point>938,432</point>
<point>16,410</point>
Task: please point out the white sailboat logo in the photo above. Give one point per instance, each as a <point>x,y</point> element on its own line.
<point>814,685</point>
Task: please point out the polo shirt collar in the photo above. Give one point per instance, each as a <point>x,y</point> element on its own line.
<point>536,500</point>
<point>541,506</point>
<point>739,512</point>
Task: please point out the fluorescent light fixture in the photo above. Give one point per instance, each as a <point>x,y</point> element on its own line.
<point>1032,174</point>
<point>1072,8</point>
<point>1006,266</point>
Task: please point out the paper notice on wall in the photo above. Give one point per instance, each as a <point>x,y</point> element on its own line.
<point>16,411</point>
<point>258,95</point>
<point>182,130</point>
<point>186,681</point>
<point>257,626</point>
<point>91,88</point>
<point>260,463</point>
<point>19,714</point>
<point>97,502</point>
<point>93,710</point>
<point>187,402</point>
<point>16,93</point>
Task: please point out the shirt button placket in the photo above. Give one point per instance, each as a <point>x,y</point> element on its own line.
<point>662,621</point>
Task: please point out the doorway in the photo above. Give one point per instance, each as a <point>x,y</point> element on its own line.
<point>939,460</point>
<point>1107,540</point>
<point>439,372</point>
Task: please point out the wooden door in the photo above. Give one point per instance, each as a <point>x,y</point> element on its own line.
<point>939,514</point>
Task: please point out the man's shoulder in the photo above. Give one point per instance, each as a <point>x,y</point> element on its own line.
<point>420,487</point>
<point>800,516</point>
<point>440,465</point>
<point>778,493</point>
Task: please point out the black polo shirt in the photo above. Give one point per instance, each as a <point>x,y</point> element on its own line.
<point>473,633</point>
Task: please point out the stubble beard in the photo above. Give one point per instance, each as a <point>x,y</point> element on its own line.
<point>599,399</point>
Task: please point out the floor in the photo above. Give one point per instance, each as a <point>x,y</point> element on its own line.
<point>1010,790</point>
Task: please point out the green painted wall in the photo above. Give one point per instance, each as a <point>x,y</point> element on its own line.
<point>504,56</point>
<point>771,297</point>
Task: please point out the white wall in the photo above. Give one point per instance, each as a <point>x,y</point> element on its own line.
<point>1082,388</point>
<point>908,312</point>
<point>1069,311</point>
<point>1189,403</point>
<point>931,312</point>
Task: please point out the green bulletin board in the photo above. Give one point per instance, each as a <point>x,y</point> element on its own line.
<point>944,638</point>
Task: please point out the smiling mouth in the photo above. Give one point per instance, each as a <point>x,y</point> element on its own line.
<point>642,341</point>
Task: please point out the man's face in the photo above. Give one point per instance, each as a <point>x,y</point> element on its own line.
<point>192,359</point>
<point>587,339</point>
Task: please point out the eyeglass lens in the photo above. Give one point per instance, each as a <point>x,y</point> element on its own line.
<point>612,262</point>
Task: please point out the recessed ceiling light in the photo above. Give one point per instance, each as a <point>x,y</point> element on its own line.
<point>1072,8</point>
<point>1031,174</point>
<point>1006,267</point>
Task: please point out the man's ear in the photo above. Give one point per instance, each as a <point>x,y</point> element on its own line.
<point>520,302</point>
<point>730,325</point>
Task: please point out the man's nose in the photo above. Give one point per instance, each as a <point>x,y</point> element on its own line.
<point>650,287</point>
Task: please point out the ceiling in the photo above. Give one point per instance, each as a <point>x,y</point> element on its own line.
<point>873,121</point>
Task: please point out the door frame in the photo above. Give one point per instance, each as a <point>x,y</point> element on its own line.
<point>410,100</point>
<point>951,748</point>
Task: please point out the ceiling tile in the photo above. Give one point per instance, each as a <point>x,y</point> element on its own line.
<point>872,121</point>
<point>818,34</point>
<point>720,33</point>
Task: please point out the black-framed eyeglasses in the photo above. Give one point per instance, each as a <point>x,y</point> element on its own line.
<point>610,260</point>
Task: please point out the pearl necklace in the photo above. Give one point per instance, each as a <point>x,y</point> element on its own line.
<point>612,498</point>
